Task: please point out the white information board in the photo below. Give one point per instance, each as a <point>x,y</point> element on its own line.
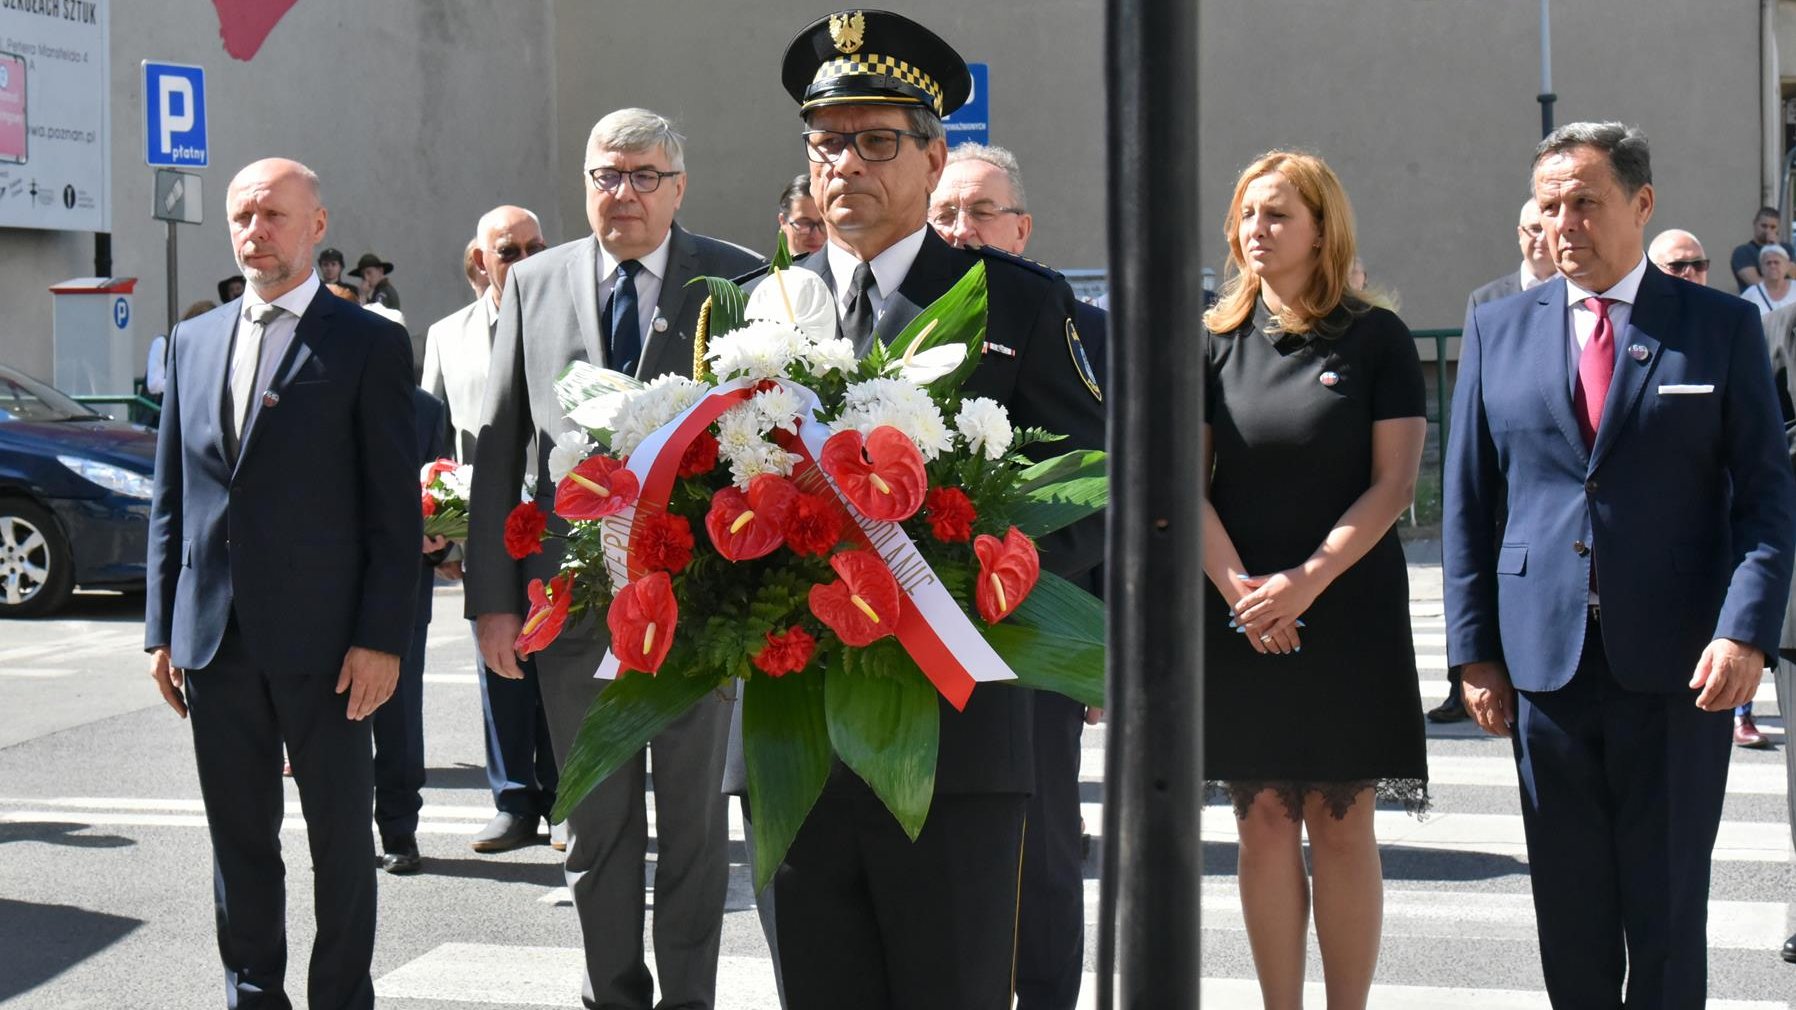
<point>55,116</point>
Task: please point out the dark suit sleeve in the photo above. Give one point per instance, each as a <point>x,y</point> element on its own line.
<point>492,578</point>
<point>392,524</point>
<point>163,564</point>
<point>1764,494</point>
<point>1048,373</point>
<point>1473,490</point>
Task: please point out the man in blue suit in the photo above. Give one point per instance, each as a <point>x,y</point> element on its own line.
<point>283,573</point>
<point>1620,513</point>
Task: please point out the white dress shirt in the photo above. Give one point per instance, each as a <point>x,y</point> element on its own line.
<point>648,284</point>
<point>889,270</point>
<point>1583,321</point>
<point>1526,276</point>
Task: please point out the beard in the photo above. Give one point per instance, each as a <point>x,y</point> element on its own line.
<point>269,277</point>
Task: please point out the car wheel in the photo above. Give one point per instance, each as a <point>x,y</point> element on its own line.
<point>36,572</point>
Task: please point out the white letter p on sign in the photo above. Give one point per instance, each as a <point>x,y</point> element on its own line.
<point>168,86</point>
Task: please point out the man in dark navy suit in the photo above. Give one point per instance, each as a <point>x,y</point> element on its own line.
<point>1620,512</point>
<point>283,573</point>
<point>980,202</point>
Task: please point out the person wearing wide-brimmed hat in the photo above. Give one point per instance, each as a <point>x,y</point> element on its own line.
<point>372,272</point>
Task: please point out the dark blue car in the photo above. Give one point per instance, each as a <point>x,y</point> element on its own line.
<point>74,497</point>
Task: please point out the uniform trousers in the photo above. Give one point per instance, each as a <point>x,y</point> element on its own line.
<point>1051,921</point>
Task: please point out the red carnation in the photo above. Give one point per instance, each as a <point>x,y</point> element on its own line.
<point>662,542</point>
<point>752,525</point>
<point>430,505</point>
<point>548,612</point>
<point>882,474</point>
<point>950,514</point>
<point>815,525</point>
<point>787,653</point>
<point>600,486</point>
<point>642,619</point>
<point>862,606</point>
<point>1008,570</point>
<point>524,530</point>
<point>700,457</point>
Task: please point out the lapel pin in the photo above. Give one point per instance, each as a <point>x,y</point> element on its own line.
<point>660,324</point>
<point>1639,352</point>
<point>270,398</point>
<point>1330,378</point>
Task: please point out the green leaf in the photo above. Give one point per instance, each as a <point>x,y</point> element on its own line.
<point>886,729</point>
<point>622,720</point>
<point>727,305</point>
<point>785,744</point>
<point>1055,641</point>
<point>1047,509</point>
<point>1062,608</point>
<point>1072,465</point>
<point>957,317</point>
<point>782,255</point>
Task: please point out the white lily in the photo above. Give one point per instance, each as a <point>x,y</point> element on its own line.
<point>924,367</point>
<point>797,296</point>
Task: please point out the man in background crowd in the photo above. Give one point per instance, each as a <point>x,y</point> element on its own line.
<point>372,271</point>
<point>799,219</point>
<point>1745,260</point>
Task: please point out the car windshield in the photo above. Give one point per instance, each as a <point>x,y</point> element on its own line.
<point>25,399</point>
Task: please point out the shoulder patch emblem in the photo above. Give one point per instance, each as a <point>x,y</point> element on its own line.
<point>1081,363</point>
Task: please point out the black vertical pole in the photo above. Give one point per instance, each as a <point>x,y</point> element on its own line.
<point>1148,945</point>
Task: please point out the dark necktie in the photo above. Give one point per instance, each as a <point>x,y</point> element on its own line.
<point>623,321</point>
<point>1596,368</point>
<point>246,363</point>
<point>857,322</point>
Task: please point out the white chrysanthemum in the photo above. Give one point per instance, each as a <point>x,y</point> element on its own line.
<point>749,462</point>
<point>833,355</point>
<point>760,349</point>
<point>649,408</point>
<point>900,404</point>
<point>739,429</point>
<point>985,424</point>
<point>571,449</point>
<point>778,408</point>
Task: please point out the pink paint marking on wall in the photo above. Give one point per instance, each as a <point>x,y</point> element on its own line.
<point>244,24</point>
<point>13,134</point>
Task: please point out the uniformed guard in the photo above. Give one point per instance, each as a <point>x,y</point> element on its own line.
<point>864,917</point>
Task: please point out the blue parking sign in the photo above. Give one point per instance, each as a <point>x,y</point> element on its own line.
<point>174,102</point>
<point>971,123</point>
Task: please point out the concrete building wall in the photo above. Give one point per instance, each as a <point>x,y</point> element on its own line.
<point>417,117</point>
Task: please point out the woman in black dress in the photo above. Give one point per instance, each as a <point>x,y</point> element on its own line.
<point>1315,421</point>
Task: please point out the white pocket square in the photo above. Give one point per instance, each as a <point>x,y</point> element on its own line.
<point>1687,390</point>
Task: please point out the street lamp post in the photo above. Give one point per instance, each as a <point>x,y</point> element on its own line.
<point>1547,98</point>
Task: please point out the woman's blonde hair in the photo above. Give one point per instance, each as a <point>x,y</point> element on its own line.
<point>1321,191</point>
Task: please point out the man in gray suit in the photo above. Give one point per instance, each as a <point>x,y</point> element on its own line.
<point>1537,265</point>
<point>617,298</point>
<point>1780,341</point>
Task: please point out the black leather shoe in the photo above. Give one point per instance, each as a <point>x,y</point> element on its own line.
<point>504,833</point>
<point>1451,710</point>
<point>402,858</point>
<point>1790,950</point>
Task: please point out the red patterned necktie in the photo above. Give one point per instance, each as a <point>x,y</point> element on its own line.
<point>1596,367</point>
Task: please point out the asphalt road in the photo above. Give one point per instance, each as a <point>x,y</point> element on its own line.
<point>105,878</point>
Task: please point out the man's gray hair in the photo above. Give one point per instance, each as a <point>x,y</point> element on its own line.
<point>999,158</point>
<point>1624,145</point>
<point>922,121</point>
<point>636,130</point>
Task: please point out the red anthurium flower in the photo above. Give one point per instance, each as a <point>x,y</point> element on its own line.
<point>700,457</point>
<point>950,514</point>
<point>815,525</point>
<point>787,653</point>
<point>429,505</point>
<point>641,620</point>
<point>1008,570</point>
<point>524,530</point>
<point>435,467</point>
<point>600,486</point>
<point>881,475</point>
<point>862,606</point>
<point>751,525</point>
<point>548,612</point>
<point>662,542</point>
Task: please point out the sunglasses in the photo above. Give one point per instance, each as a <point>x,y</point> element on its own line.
<point>513,253</point>
<point>1685,266</point>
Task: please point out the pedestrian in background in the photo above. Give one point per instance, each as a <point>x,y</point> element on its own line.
<point>1745,259</point>
<point>799,219</point>
<point>1774,290</point>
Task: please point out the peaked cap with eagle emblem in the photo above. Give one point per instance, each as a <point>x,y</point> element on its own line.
<point>866,57</point>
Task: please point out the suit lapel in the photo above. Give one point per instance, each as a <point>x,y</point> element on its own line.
<point>1653,309</point>
<point>309,329</point>
<point>583,284</point>
<point>682,267</point>
<point>212,363</point>
<point>1552,372</point>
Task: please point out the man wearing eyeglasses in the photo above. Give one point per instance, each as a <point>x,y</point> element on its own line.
<point>618,298</point>
<point>864,916</point>
<point>799,218</point>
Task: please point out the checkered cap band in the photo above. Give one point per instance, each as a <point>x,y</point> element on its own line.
<point>873,65</point>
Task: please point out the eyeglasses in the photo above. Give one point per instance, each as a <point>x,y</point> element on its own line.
<point>1685,266</point>
<point>513,253</point>
<point>825,146</point>
<point>642,180</point>
<point>803,224</point>
<point>945,215</point>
